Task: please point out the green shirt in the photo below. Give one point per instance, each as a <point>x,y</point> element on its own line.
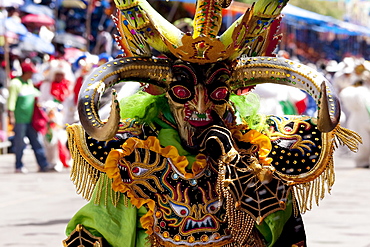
<point>22,99</point>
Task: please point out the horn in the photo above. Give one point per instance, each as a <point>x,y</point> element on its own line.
<point>143,20</point>
<point>258,70</point>
<point>148,70</point>
<point>253,28</point>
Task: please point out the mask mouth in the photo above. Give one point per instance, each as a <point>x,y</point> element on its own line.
<point>125,175</point>
<point>206,223</point>
<point>197,119</point>
<point>195,124</point>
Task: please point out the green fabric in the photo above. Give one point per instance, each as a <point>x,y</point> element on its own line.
<point>367,105</point>
<point>288,108</point>
<point>272,226</point>
<point>143,106</point>
<point>247,107</point>
<point>170,137</point>
<point>120,225</point>
<point>22,99</point>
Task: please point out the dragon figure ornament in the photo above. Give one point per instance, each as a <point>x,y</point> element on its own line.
<point>192,165</point>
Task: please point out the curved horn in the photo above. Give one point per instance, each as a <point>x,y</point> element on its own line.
<point>258,70</point>
<point>145,21</point>
<point>154,71</point>
<point>247,32</point>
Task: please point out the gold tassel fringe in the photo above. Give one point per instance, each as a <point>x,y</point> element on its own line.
<point>83,175</point>
<point>104,191</point>
<point>347,137</point>
<point>307,193</point>
<point>87,172</point>
<point>240,223</point>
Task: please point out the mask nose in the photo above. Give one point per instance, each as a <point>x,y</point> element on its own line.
<point>201,101</point>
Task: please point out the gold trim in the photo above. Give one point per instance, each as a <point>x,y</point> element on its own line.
<point>315,188</point>
<point>77,145</point>
<point>348,138</point>
<point>158,242</point>
<point>92,240</point>
<point>86,168</point>
<point>104,191</point>
<point>320,166</point>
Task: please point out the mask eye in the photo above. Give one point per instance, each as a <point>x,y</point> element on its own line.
<point>180,210</point>
<point>214,206</point>
<point>220,93</point>
<point>137,171</point>
<point>181,92</point>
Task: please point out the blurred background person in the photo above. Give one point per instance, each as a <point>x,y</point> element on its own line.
<point>21,102</point>
<point>81,68</point>
<point>3,98</point>
<point>54,91</point>
<point>356,98</point>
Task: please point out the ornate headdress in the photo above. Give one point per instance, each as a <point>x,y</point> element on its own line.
<point>246,46</point>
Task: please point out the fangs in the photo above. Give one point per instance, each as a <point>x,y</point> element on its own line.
<point>195,116</point>
<point>123,168</point>
<point>125,174</point>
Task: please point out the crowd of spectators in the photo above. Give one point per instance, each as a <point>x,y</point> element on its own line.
<point>56,74</point>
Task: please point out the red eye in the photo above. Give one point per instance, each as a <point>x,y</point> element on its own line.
<point>219,93</point>
<point>181,92</point>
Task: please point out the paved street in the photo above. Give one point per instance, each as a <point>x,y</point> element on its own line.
<point>35,207</point>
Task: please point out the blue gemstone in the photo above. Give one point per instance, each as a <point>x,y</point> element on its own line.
<point>208,173</point>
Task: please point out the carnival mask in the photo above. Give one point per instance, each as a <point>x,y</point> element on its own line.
<point>198,98</point>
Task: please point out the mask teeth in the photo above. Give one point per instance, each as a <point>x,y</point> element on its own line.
<point>196,116</point>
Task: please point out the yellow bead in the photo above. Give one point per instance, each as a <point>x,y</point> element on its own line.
<point>158,214</point>
<point>191,239</point>
<point>204,238</point>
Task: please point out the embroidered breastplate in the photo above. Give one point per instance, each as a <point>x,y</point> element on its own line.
<point>184,208</point>
<point>216,203</point>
